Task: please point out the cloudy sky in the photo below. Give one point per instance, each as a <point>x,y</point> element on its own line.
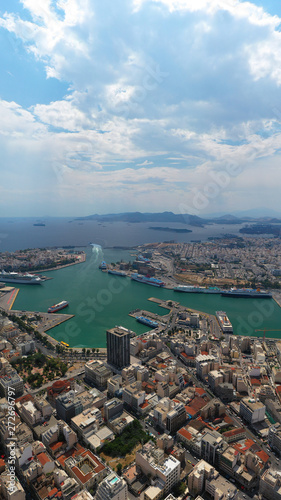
<point>148,105</point>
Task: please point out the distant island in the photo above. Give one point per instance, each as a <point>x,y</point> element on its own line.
<point>170,217</point>
<point>261,229</point>
<point>170,229</point>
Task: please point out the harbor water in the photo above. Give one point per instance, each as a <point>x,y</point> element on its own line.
<point>101,301</point>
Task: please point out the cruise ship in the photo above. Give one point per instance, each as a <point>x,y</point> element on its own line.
<point>247,292</point>
<point>19,278</point>
<point>224,322</point>
<point>58,307</point>
<point>116,273</point>
<point>212,289</point>
<point>147,321</point>
<point>190,289</point>
<point>147,280</point>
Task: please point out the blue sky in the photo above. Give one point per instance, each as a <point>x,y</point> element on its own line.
<point>144,105</point>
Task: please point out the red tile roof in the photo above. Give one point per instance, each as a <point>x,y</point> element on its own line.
<point>234,432</point>
<point>24,399</point>
<point>255,381</point>
<point>56,446</point>
<point>197,403</point>
<point>43,458</point>
<point>52,492</point>
<point>144,405</point>
<point>263,456</point>
<point>77,450</point>
<point>84,478</point>
<point>183,432</point>
<point>200,391</point>
<point>190,411</point>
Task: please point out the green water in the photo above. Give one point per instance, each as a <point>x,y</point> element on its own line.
<point>100,301</point>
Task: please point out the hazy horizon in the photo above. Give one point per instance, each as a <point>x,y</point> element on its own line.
<point>140,105</point>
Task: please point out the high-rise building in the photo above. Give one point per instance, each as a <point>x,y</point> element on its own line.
<point>118,347</point>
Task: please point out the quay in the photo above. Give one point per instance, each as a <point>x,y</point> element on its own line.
<point>47,320</point>
<point>277,297</point>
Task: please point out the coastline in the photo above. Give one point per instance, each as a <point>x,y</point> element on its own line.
<point>81,261</point>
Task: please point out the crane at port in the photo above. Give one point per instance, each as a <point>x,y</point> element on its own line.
<point>267,330</point>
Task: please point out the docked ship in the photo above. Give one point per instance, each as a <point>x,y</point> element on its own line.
<point>19,278</point>
<point>190,289</point>
<point>103,266</point>
<point>116,273</point>
<point>212,289</point>
<point>143,259</point>
<point>247,292</point>
<point>147,321</point>
<point>224,322</point>
<point>57,307</point>
<point>147,280</point>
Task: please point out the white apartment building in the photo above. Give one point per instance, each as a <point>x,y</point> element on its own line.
<point>151,461</point>
<point>112,488</point>
<point>252,411</point>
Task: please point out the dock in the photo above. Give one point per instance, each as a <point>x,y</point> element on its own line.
<point>277,297</point>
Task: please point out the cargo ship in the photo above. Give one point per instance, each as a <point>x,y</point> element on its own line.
<point>19,278</point>
<point>224,322</point>
<point>58,307</point>
<point>147,280</point>
<point>189,289</point>
<point>116,273</point>
<point>247,292</point>
<point>147,321</point>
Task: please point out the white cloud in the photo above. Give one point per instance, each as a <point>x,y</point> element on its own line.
<point>162,93</point>
<point>236,8</point>
<point>145,163</point>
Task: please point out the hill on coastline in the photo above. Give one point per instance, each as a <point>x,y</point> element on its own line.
<point>188,219</point>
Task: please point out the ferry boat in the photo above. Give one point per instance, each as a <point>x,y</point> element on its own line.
<point>147,321</point>
<point>143,259</point>
<point>58,307</point>
<point>147,280</point>
<point>116,273</point>
<point>103,266</point>
<point>247,293</point>
<point>189,289</point>
<point>224,322</point>
<point>19,278</point>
